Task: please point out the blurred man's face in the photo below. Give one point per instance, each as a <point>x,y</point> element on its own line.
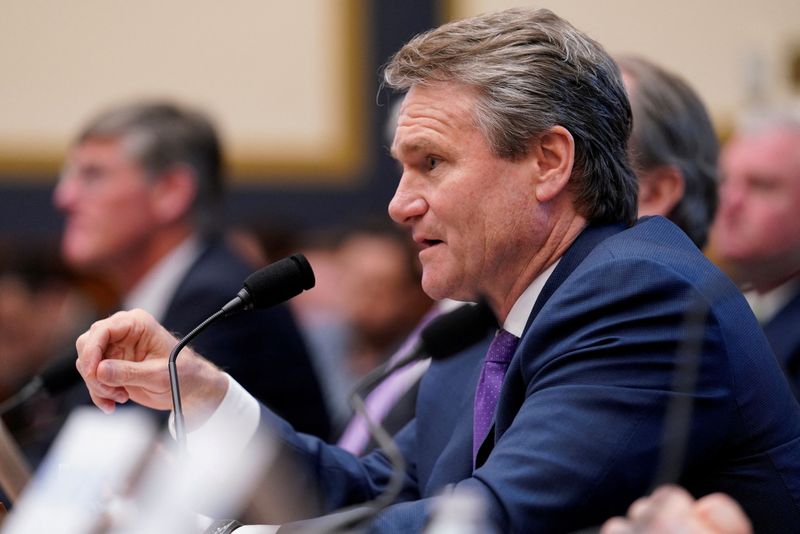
<point>107,201</point>
<point>759,213</point>
<point>473,214</point>
<point>384,300</point>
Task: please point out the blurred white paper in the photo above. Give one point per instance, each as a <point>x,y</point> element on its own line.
<point>91,462</point>
<point>214,479</point>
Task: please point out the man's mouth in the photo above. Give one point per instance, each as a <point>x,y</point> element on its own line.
<point>425,244</point>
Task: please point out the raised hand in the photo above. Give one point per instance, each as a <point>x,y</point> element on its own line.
<point>124,357</point>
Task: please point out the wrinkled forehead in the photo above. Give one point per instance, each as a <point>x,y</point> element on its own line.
<point>434,112</point>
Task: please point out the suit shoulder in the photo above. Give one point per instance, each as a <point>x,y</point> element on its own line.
<point>654,248</point>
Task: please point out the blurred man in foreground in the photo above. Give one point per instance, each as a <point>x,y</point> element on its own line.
<point>756,235</point>
<point>142,194</point>
<point>671,510</point>
<point>517,188</point>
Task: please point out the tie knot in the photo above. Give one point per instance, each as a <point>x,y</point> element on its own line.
<point>502,348</point>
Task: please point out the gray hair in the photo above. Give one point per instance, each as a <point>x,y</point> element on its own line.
<point>533,70</point>
<point>161,135</point>
<point>671,127</point>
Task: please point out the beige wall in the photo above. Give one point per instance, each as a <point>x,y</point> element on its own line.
<point>286,79</point>
<point>729,50</point>
<point>280,78</point>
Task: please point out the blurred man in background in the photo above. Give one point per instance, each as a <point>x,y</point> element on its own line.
<point>142,195</point>
<point>43,309</point>
<point>383,303</point>
<point>756,235</point>
<point>383,300</point>
<point>673,148</point>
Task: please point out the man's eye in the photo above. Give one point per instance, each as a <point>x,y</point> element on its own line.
<point>432,162</point>
<point>763,185</point>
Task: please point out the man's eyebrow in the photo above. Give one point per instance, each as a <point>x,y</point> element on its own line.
<point>415,145</point>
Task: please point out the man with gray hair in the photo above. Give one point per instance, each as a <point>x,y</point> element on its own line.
<point>756,235</point>
<point>142,194</point>
<point>673,148</point>
<point>516,187</point>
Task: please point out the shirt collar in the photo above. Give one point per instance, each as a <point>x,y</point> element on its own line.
<point>518,316</point>
<point>766,305</point>
<point>154,292</point>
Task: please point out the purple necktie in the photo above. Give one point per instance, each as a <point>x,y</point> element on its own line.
<point>488,391</point>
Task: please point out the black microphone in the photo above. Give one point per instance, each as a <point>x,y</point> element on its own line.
<point>55,378</point>
<point>445,336</point>
<point>271,285</point>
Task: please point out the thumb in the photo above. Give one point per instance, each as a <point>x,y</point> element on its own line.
<point>723,514</point>
<point>148,374</point>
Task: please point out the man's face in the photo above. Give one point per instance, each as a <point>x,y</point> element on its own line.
<point>107,201</point>
<point>473,215</point>
<point>758,219</point>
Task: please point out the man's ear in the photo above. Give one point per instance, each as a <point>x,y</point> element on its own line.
<point>554,153</point>
<point>660,190</point>
<point>174,193</point>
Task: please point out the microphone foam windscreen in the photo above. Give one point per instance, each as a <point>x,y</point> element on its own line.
<point>280,281</point>
<point>457,330</point>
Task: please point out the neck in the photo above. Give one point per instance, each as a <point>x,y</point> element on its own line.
<point>558,240</point>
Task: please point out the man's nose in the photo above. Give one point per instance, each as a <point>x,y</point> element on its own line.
<point>65,192</point>
<point>731,196</point>
<point>406,204</point>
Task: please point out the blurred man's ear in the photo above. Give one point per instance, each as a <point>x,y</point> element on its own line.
<point>660,190</point>
<point>554,155</point>
<point>174,193</point>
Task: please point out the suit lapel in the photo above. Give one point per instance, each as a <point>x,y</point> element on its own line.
<point>589,238</point>
<point>175,313</point>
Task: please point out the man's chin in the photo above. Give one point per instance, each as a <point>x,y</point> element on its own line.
<point>434,289</point>
<point>439,288</point>
<point>79,260</point>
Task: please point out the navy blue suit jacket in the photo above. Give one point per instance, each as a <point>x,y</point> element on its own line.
<point>580,420</point>
<point>783,333</point>
<point>262,350</point>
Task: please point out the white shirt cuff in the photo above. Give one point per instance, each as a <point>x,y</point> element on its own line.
<point>235,421</point>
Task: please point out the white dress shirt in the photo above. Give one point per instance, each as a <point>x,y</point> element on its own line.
<point>154,292</point>
<point>766,305</point>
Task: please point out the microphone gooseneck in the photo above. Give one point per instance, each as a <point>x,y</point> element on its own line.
<point>271,285</point>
